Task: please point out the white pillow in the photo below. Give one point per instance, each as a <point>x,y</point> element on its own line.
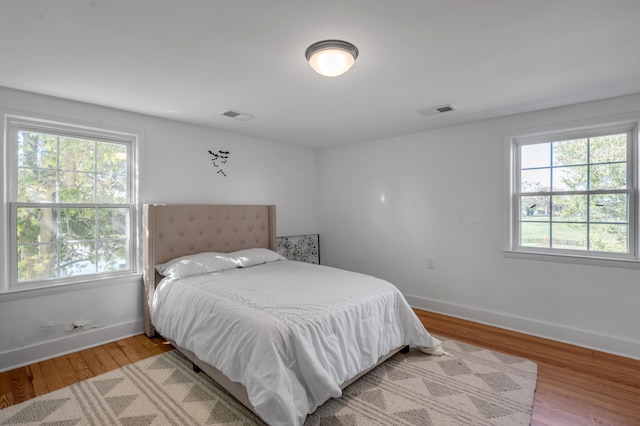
<point>254,256</point>
<point>196,264</point>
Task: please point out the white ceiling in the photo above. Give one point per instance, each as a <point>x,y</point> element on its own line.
<point>191,60</point>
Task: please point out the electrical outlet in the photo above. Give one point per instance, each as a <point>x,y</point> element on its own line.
<point>430,263</point>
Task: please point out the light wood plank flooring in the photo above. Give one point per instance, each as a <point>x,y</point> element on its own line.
<point>576,386</point>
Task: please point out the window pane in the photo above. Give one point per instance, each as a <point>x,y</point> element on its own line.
<point>534,234</point>
<point>608,208</point>
<point>535,155</point>
<point>609,149</point>
<point>36,185</point>
<point>111,189</point>
<point>77,224</point>
<point>609,238</point>
<point>535,180</point>
<point>112,166</point>
<point>112,255</point>
<point>36,225</point>
<point>571,208</point>
<point>77,155</point>
<point>77,259</point>
<point>112,159</point>
<point>608,176</point>
<point>570,178</point>
<point>76,187</point>
<point>568,153</point>
<point>572,236</point>
<point>534,208</point>
<point>76,240</point>
<point>36,262</point>
<point>112,223</point>
<point>36,150</point>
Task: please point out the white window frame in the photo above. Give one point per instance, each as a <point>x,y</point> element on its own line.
<point>12,124</point>
<point>626,123</point>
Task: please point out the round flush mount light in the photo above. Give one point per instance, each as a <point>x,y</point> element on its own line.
<point>331,58</point>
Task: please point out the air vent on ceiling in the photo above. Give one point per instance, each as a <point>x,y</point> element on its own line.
<point>238,115</point>
<point>437,109</point>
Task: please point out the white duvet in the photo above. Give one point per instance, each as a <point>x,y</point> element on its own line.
<point>290,332</point>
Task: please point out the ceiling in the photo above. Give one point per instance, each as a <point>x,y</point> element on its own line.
<point>191,60</point>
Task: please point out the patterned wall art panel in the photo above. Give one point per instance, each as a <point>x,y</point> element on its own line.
<point>303,248</point>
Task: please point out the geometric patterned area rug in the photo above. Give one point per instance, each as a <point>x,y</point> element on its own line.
<point>472,386</point>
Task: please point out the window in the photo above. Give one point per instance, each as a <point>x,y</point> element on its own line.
<point>574,193</point>
<point>71,198</point>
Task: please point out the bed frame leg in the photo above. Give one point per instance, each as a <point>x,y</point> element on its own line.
<point>196,368</point>
<point>405,350</point>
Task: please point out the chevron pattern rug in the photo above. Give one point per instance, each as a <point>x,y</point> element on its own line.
<point>471,386</point>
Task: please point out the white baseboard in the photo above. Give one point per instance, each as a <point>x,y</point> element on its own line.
<point>68,344</point>
<point>611,344</point>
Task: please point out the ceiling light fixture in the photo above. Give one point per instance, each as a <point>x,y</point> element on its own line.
<point>331,58</point>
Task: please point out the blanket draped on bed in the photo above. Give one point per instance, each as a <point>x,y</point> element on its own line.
<point>290,332</point>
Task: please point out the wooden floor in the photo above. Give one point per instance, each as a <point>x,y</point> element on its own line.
<point>576,386</point>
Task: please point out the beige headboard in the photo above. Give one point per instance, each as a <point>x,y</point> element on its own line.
<point>174,230</point>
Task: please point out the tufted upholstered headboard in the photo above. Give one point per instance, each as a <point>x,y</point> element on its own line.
<point>174,230</point>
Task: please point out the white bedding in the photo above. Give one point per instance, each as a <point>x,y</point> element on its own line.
<point>290,332</point>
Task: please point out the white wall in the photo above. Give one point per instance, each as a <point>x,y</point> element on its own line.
<point>387,206</point>
<point>382,208</point>
<point>174,168</point>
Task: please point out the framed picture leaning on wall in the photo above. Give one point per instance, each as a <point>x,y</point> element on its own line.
<point>303,248</point>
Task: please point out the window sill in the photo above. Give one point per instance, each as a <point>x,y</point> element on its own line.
<point>73,286</point>
<point>574,259</point>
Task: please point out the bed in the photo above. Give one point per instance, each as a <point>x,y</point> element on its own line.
<point>281,336</point>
